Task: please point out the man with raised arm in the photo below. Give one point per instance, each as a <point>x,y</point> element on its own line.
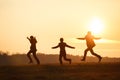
<point>33,49</point>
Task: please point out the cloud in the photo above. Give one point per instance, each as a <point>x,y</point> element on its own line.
<point>74,40</point>
<point>108,41</point>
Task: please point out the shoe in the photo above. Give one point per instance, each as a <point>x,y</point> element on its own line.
<point>30,62</point>
<point>38,63</point>
<point>70,62</point>
<point>100,59</point>
<point>82,59</point>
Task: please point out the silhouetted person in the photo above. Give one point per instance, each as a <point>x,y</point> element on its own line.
<point>90,44</point>
<point>62,46</point>
<point>33,49</point>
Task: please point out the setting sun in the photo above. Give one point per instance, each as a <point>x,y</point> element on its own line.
<point>49,20</point>
<point>96,25</point>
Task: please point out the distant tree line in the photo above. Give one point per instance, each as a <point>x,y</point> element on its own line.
<point>21,59</point>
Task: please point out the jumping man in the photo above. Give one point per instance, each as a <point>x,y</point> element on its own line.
<point>90,44</point>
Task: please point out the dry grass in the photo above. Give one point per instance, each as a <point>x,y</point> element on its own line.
<point>81,71</point>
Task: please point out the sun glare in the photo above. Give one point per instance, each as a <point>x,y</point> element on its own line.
<point>96,26</point>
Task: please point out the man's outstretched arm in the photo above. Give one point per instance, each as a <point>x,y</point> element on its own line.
<point>81,38</point>
<point>55,46</point>
<point>70,46</point>
<point>97,38</point>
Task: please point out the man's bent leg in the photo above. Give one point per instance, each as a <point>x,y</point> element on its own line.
<point>37,60</point>
<point>85,53</point>
<point>28,55</point>
<point>65,58</point>
<point>98,56</point>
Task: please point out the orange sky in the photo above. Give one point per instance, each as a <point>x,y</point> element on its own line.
<point>49,20</point>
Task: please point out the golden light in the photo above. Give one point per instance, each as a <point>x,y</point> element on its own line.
<point>96,26</point>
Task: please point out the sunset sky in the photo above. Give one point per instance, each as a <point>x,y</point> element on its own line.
<point>50,20</point>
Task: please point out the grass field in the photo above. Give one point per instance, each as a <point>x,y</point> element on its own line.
<point>80,71</point>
